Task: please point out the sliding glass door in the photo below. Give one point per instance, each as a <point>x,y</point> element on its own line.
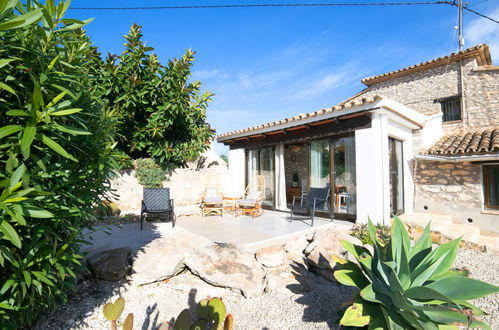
<point>396,165</point>
<point>343,178</point>
<point>260,171</point>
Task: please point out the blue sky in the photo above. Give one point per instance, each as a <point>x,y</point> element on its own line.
<point>265,64</point>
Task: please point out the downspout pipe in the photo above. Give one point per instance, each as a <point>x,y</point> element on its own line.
<point>455,159</point>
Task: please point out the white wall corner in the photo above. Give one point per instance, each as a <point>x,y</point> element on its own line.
<point>368,150</point>
<point>237,168</point>
<point>432,131</point>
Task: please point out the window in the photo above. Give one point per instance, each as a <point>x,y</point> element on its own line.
<point>491,186</point>
<point>451,108</point>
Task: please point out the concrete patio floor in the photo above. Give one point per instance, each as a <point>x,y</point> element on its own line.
<point>269,228</point>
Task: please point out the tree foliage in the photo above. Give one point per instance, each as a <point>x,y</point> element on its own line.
<point>56,155</point>
<point>162,115</point>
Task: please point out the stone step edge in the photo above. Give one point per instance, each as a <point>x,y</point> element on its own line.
<point>440,238</point>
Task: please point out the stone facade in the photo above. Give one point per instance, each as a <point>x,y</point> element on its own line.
<point>419,90</point>
<point>443,182</point>
<point>444,187</point>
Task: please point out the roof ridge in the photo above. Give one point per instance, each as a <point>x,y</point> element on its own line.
<point>481,52</point>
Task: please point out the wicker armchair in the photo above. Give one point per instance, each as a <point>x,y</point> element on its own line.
<point>212,202</point>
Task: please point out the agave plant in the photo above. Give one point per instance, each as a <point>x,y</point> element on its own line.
<point>404,286</point>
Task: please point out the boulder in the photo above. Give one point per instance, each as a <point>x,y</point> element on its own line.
<point>296,245</point>
<point>227,266</point>
<point>271,256</point>
<point>163,258</point>
<point>111,265</point>
<point>326,243</point>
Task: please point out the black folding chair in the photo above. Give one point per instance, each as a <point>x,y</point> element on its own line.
<point>315,199</point>
<point>157,200</point>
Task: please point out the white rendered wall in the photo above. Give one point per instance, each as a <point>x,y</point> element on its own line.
<point>237,167</point>
<point>373,182</point>
<point>369,168</point>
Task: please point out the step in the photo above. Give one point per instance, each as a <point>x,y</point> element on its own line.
<point>444,230</point>
<point>422,219</point>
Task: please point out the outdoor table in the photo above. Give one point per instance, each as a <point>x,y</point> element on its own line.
<point>230,204</point>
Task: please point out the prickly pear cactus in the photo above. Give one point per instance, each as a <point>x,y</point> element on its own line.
<point>128,324</point>
<point>203,309</point>
<point>183,321</point>
<point>229,322</point>
<point>112,311</point>
<point>199,325</point>
<point>217,310</point>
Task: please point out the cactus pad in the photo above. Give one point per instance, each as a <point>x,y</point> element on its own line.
<point>183,321</point>
<point>203,309</point>
<point>217,310</point>
<point>199,325</point>
<point>229,322</point>
<point>112,311</point>
<point>128,325</point>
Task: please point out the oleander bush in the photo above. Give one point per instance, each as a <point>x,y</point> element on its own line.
<point>56,155</point>
<point>409,286</point>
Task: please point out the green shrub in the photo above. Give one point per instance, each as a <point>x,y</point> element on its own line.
<point>361,232</point>
<point>149,174</point>
<point>409,287</point>
<point>56,155</point>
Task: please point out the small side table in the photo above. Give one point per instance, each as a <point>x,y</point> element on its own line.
<point>230,204</point>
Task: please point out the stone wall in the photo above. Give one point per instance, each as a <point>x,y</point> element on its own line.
<point>449,182</point>
<point>419,90</point>
<point>186,185</point>
<point>454,189</point>
<point>296,161</point>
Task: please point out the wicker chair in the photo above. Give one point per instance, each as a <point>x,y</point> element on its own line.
<point>254,195</point>
<point>212,202</point>
<point>157,200</point>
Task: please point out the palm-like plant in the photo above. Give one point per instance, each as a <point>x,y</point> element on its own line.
<point>409,287</point>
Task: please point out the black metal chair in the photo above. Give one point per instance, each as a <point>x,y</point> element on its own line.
<point>315,199</point>
<point>157,200</point>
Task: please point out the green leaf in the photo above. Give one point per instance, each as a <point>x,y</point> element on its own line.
<point>56,147</point>
<point>22,20</point>
<point>422,293</point>
<point>351,278</point>
<point>55,100</point>
<point>36,212</point>
<point>354,316</point>
<point>71,130</point>
<point>9,129</point>
<point>27,278</point>
<point>27,139</point>
<point>65,112</point>
<point>17,113</point>
<point>463,288</point>
<point>10,233</point>
<point>16,176</point>
<point>7,88</point>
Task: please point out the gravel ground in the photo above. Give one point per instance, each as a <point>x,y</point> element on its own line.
<point>300,306</point>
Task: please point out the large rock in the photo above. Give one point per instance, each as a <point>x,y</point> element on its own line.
<point>228,266</point>
<point>111,265</point>
<point>326,243</point>
<point>271,256</point>
<point>296,245</point>
<point>163,258</point>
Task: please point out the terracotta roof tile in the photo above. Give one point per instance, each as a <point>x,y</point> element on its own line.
<point>467,143</point>
<point>347,105</point>
<point>480,52</point>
